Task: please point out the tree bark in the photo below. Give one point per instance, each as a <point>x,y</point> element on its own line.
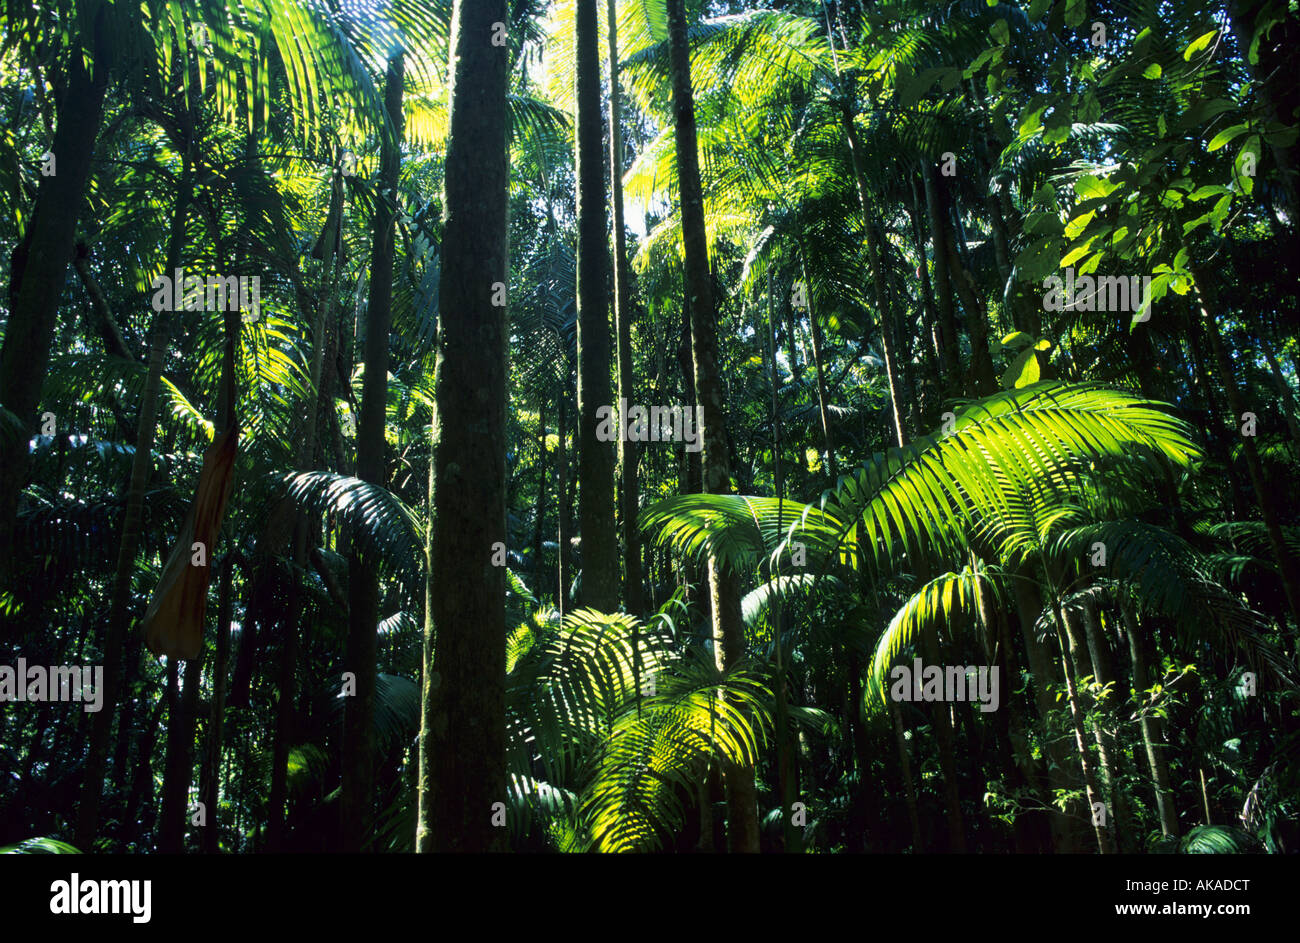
<point>39,266</point>
<point>356,799</point>
<point>877,273</point>
<point>596,459</point>
<point>628,474</point>
<point>946,328</point>
<point>179,768</point>
<point>210,777</point>
<point>1286,563</point>
<point>462,733</point>
<point>564,532</point>
<point>141,465</point>
<point>1151,728</point>
<point>724,585</point>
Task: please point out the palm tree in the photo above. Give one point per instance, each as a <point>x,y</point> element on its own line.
<point>372,466</point>
<point>937,499</point>
<point>462,730</point>
<point>724,589</point>
<point>627,451</point>
<point>596,521</point>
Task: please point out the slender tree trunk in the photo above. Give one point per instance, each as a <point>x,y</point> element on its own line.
<point>563,564</point>
<point>933,372</point>
<point>596,458</point>
<point>210,779</point>
<point>949,353</point>
<point>1284,392</point>
<point>877,273</point>
<point>141,465</point>
<point>1014,757</point>
<point>543,479</point>
<point>357,799</point>
<point>179,768</point>
<point>462,731</point>
<point>943,734</point>
<point>627,451</point>
<point>1070,658</point>
<point>792,837</point>
<point>1028,606</point>
<point>1108,748</point>
<point>977,328</point>
<point>905,768</point>
<point>820,372</point>
<point>857,752</point>
<point>1151,728</point>
<point>724,585</point>
<point>39,266</point>
<point>1286,563</point>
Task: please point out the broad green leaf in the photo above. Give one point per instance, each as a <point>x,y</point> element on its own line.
<point>1227,135</point>
<point>1199,43</point>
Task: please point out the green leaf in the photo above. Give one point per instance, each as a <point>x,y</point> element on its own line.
<point>1153,71</point>
<point>1075,254</point>
<point>1209,190</point>
<point>1023,371</point>
<point>1092,188</point>
<point>1077,225</point>
<point>1199,43</point>
<point>1226,135</point>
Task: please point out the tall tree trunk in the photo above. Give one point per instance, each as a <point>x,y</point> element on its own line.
<point>356,800</point>
<point>320,398</point>
<point>39,264</point>
<point>1151,727</point>
<point>564,532</point>
<point>462,731</point>
<point>1013,759</point>
<point>822,398</point>
<point>179,765</point>
<point>210,778</point>
<point>1071,659</point>
<point>596,459</point>
<point>1108,748</point>
<point>627,451</point>
<point>790,834</point>
<point>1028,606</point>
<point>141,465</point>
<point>1284,393</point>
<point>183,715</point>
<point>1286,563</point>
<point>949,352</point>
<point>724,585</point>
<point>543,479</point>
<point>977,327</point>
<point>210,766</point>
<point>943,734</point>
<point>934,378</point>
<point>877,273</point>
